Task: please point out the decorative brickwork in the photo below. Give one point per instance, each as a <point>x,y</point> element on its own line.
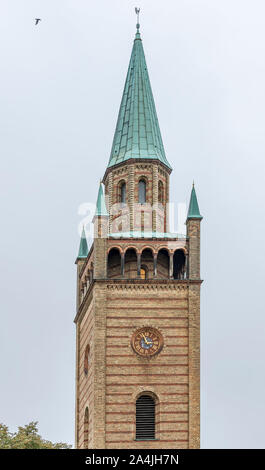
<point>108,318</point>
<point>113,305</point>
<point>138,295</point>
<point>129,218</point>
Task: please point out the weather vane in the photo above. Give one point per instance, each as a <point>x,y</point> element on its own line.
<point>137,11</point>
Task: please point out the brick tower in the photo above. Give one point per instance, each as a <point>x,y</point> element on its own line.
<point>138,295</point>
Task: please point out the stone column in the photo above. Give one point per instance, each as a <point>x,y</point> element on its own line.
<point>122,264</point>
<point>194,365</point>
<point>110,199</point>
<point>171,265</point>
<point>100,246</point>
<point>185,273</point>
<point>155,265</point>
<point>131,185</point>
<point>155,196</point>
<point>193,234</point>
<point>99,366</point>
<point>138,264</point>
<point>167,206</point>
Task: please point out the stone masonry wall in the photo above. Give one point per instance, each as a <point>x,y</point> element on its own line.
<point>130,174</point>
<point>166,375</point>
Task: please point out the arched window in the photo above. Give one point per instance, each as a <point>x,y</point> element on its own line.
<point>145,418</point>
<point>123,193</point>
<point>142,192</point>
<point>130,264</point>
<point>179,264</point>
<point>143,272</point>
<point>147,263</point>
<point>86,426</point>
<point>160,192</point>
<point>163,264</point>
<point>114,263</point>
<point>87,359</point>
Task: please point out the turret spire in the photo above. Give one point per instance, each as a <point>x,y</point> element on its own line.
<point>83,247</point>
<point>137,133</point>
<point>101,205</point>
<point>193,212</point>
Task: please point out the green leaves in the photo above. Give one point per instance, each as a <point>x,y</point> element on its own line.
<point>26,437</point>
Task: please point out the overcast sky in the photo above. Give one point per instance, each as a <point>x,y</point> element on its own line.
<point>60,89</point>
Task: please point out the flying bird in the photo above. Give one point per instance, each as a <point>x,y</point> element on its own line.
<point>37,20</point>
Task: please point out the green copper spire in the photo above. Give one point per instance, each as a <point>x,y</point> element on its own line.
<point>137,133</point>
<point>83,247</point>
<point>101,205</point>
<point>193,212</point>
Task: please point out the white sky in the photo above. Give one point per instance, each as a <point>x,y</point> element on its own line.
<point>60,89</point>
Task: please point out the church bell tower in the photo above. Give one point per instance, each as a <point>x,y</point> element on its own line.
<point>138,294</point>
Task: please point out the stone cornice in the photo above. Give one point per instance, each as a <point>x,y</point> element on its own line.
<point>149,283</point>
<point>84,304</point>
<point>134,284</point>
<point>136,160</point>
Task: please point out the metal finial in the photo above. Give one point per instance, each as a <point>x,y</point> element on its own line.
<point>137,11</point>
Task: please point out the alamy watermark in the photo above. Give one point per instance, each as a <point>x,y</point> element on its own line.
<point>137,217</point>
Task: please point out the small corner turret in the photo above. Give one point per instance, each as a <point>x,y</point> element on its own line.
<point>193,233</point>
<point>101,228</point>
<point>83,247</point>
<point>193,212</point>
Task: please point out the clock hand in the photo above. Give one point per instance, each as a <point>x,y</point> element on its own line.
<point>145,340</point>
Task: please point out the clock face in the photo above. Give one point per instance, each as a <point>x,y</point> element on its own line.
<point>147,341</point>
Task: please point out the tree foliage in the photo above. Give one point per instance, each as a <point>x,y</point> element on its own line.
<point>26,437</point>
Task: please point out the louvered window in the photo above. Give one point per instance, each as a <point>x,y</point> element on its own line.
<point>145,418</point>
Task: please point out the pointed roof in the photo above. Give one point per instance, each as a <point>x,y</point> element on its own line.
<point>193,212</point>
<point>83,247</point>
<point>137,133</point>
<point>101,205</point>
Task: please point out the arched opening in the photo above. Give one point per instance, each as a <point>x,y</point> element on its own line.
<point>92,272</point>
<point>122,192</point>
<point>130,264</point>
<point>114,264</point>
<point>163,264</point>
<point>143,272</point>
<point>147,261</point>
<point>86,428</point>
<point>179,264</point>
<point>161,192</point>
<point>145,417</point>
<point>86,359</point>
<point>142,191</point>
